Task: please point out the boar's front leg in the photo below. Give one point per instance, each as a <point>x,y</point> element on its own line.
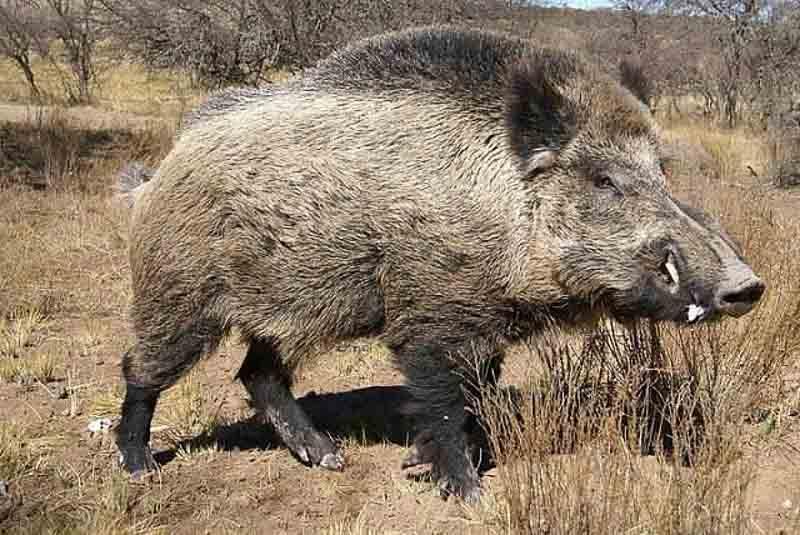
<point>441,378</point>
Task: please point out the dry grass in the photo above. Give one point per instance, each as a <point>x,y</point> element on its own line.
<point>356,526</point>
<point>96,501</point>
<point>784,150</point>
<point>16,332</point>
<point>701,405</point>
<point>53,245</point>
<point>40,368</point>
<point>122,86</point>
<point>20,360</point>
<point>187,412</point>
<point>56,223</point>
<point>54,149</point>
<point>729,151</point>
<point>15,455</point>
<point>185,421</point>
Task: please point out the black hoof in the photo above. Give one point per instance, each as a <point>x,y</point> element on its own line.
<point>453,472</point>
<point>464,486</point>
<point>318,450</point>
<point>425,450</point>
<point>138,462</point>
<point>333,462</point>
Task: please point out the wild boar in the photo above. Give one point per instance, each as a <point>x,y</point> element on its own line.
<point>446,191</point>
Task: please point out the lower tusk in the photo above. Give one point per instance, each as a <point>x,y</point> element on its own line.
<point>694,312</point>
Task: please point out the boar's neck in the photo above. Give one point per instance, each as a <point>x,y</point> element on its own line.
<point>529,319</point>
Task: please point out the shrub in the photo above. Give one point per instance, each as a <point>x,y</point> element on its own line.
<point>784,146</point>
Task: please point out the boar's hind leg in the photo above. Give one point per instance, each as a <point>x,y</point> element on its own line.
<point>149,368</point>
<point>481,379</point>
<point>438,384</point>
<point>269,385</point>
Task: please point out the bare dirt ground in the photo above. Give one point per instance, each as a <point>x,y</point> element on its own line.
<point>62,255</point>
<point>249,486</point>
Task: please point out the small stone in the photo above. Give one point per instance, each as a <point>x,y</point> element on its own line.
<point>4,493</point>
<point>787,504</point>
<point>100,425</point>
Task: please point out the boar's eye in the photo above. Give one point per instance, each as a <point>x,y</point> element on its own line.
<point>605,182</point>
<point>664,168</point>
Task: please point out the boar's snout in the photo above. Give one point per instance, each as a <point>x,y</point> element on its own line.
<point>721,282</point>
<point>689,281</point>
<point>739,291</point>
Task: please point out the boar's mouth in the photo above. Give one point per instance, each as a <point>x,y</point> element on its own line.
<point>669,290</point>
<point>662,280</point>
<point>695,311</point>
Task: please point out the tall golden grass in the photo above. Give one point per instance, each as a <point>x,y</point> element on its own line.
<point>120,86</point>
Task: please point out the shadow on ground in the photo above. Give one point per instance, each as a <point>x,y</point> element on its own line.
<point>384,414</point>
<point>369,415</point>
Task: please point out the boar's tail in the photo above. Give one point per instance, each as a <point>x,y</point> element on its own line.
<point>130,183</point>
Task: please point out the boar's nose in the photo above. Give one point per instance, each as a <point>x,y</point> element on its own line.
<point>738,294</point>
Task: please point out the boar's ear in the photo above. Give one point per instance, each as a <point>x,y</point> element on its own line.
<point>538,115</point>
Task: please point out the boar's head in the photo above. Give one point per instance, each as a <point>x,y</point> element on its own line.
<point>608,231</point>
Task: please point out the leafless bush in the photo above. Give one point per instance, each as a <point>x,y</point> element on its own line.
<point>22,34</point>
<point>227,42</point>
<point>784,146</point>
<point>29,27</point>
<point>750,59</point>
<point>75,26</point>
<point>234,42</point>
<point>773,65</point>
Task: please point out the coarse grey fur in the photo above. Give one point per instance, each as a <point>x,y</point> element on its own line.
<point>447,191</point>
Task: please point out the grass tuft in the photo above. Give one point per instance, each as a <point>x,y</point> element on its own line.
<point>16,457</point>
<point>630,433</point>
<point>17,332</point>
<point>186,412</point>
<point>18,363</point>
